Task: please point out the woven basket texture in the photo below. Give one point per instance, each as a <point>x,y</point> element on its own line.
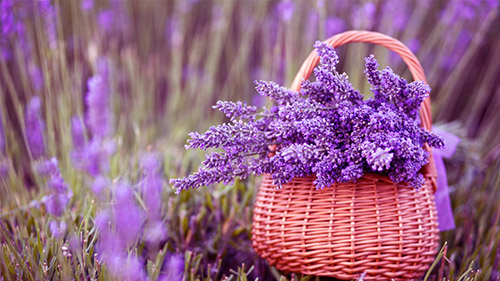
<point>372,226</point>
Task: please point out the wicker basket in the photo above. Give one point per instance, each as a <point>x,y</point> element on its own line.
<point>373,226</point>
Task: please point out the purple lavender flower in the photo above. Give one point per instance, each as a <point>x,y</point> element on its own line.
<point>414,45</point>
<point>285,9</point>
<point>87,5</point>
<point>56,204</point>
<point>327,129</point>
<point>57,228</point>
<point>235,110</point>
<point>35,75</point>
<point>59,196</point>
<point>93,156</point>
<point>96,156</point>
<point>115,242</point>
<point>334,25</point>
<point>363,16</point>
<point>152,184</point>
<point>312,22</point>
<point>398,10</point>
<point>274,91</point>
<point>7,18</point>
<point>379,159</point>
<point>155,232</point>
<point>49,18</point>
<point>4,168</point>
<point>9,27</point>
<point>98,116</point>
<point>34,128</point>
<point>99,184</point>
<point>77,133</point>
<point>173,268</point>
<point>105,19</point>
<point>113,20</point>
<point>128,217</point>
<point>47,168</point>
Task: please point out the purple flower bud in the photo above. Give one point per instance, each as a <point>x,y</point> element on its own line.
<point>235,110</point>
<point>36,76</point>
<point>380,159</point>
<point>57,184</point>
<point>102,220</point>
<point>77,132</point>
<point>47,168</point>
<point>173,268</point>
<point>34,128</point>
<point>126,267</point>
<point>100,184</point>
<point>151,184</point>
<point>87,5</point>
<point>128,217</point>
<point>105,19</point>
<point>155,232</point>
<point>285,9</point>
<point>7,18</point>
<point>56,204</point>
<point>49,18</point>
<point>334,25</point>
<point>414,45</point>
<point>4,167</point>
<point>57,228</point>
<point>398,10</point>
<point>364,16</point>
<point>97,156</point>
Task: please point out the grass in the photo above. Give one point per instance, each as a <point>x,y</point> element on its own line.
<point>170,61</point>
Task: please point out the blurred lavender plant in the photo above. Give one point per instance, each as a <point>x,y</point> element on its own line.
<point>119,228</point>
<point>151,187</point>
<point>50,20</point>
<point>34,128</point>
<point>98,116</point>
<point>94,156</point>
<point>173,269</point>
<point>58,194</point>
<point>9,28</point>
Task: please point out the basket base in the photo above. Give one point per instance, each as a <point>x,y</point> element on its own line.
<point>373,227</point>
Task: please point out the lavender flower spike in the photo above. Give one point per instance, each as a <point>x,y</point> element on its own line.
<point>77,132</point>
<point>98,116</point>
<point>128,217</point>
<point>173,268</point>
<point>151,183</point>
<point>34,128</point>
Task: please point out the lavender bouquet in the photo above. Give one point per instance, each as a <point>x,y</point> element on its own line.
<point>326,129</point>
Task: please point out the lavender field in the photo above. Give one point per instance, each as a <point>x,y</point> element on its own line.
<point>97,99</point>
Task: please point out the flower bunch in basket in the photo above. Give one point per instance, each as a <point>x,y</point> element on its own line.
<point>326,129</point>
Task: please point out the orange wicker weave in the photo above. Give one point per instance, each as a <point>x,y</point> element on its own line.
<point>372,226</point>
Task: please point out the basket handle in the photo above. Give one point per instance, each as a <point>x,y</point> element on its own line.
<point>429,170</point>
<point>378,39</point>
